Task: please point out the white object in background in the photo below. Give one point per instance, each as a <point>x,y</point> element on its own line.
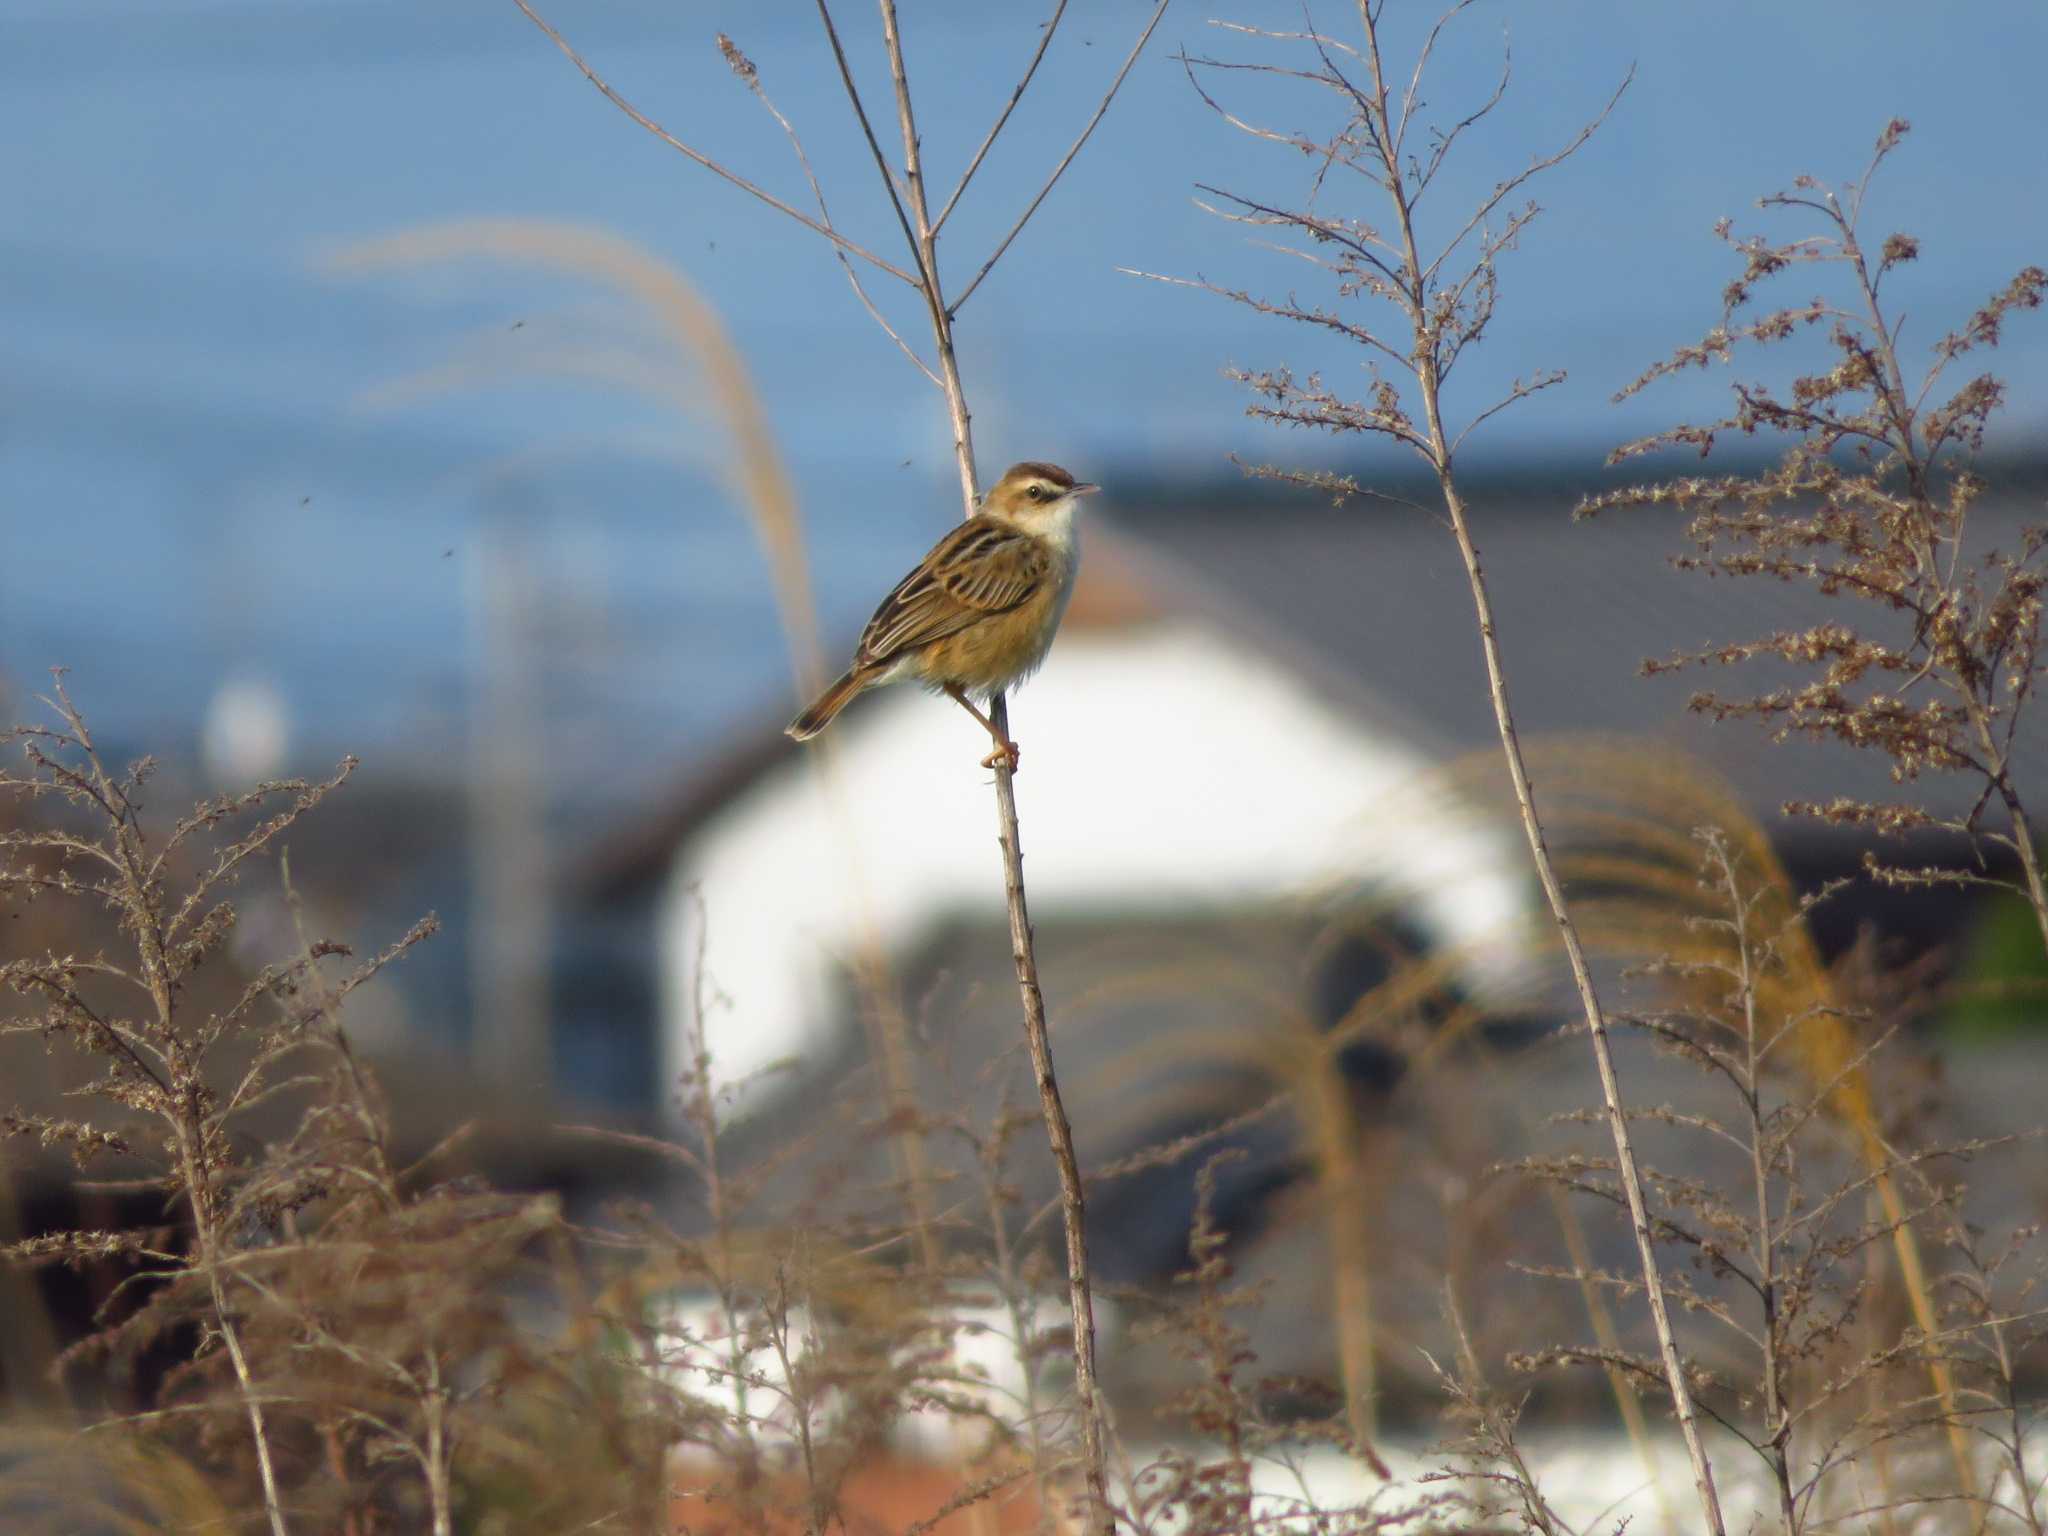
<point>732,1364</point>
<point>983,1374</point>
<point>1262,793</point>
<point>988,1370</point>
<point>245,733</point>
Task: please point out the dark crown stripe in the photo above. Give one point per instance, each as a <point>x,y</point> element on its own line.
<point>1033,469</point>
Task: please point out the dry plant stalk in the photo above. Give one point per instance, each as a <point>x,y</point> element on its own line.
<point>1870,503</point>
<point>1993,1331</point>
<point>392,1363</point>
<point>192,1074</point>
<point>156,1059</point>
<point>1632,802</point>
<point>1220,1406</point>
<point>906,194</point>
<point>752,1366</point>
<point>803,1339</point>
<point>1488,1447</point>
<point>1441,304</point>
<point>1273,1045</point>
<point>1244,1423</point>
<point>1779,1266</point>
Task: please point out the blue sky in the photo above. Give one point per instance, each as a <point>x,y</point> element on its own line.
<point>193,485</point>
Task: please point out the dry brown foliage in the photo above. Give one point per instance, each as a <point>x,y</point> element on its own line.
<point>1936,653</point>
<point>173,1082</point>
<point>1799,1212</point>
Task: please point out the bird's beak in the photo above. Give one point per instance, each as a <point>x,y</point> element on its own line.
<point>1085,488</point>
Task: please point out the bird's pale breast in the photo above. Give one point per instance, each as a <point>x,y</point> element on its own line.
<point>1004,648</point>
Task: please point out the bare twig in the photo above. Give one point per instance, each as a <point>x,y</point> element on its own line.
<point>1885,522</point>
<point>700,157</point>
<point>750,76</point>
<point>1046,30</point>
<point>1059,1132</point>
<point>908,199</point>
<point>1066,160</point>
<point>1439,317</point>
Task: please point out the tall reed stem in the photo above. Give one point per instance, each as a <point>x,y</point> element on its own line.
<point>1416,298</point>
<point>1023,953</point>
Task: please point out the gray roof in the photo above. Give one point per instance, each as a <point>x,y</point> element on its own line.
<point>1370,603</point>
<point>1373,598</point>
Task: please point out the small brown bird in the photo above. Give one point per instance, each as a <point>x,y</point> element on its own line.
<point>979,612</point>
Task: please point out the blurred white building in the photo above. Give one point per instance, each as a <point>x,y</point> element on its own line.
<point>1177,764</point>
<point>1234,823</point>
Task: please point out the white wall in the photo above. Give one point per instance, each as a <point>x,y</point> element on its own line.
<point>1165,768</point>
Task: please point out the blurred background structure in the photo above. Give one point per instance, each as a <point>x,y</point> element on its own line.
<point>461,519</point>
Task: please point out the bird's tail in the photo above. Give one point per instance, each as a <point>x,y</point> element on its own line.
<point>828,704</point>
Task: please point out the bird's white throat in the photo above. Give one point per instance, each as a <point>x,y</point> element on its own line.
<point>1058,526</point>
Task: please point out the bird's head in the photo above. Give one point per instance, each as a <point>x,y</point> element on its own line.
<point>1039,498</point>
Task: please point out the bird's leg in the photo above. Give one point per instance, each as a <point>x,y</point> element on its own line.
<point>1005,748</point>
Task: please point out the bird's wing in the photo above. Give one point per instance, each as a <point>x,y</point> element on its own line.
<point>981,567</point>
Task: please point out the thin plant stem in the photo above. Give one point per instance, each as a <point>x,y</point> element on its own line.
<point>1343,1187</point>
<point>1023,951</point>
<point>1428,382</point>
<point>1777,1421</point>
<point>584,67</point>
<point>750,76</point>
<point>1046,30</point>
<point>1066,160</point>
<point>924,241</point>
<point>1440,315</point>
<point>273,1503</point>
<point>183,1103</point>
<point>1060,1135</point>
<point>434,1405</point>
<point>1582,980</point>
<point>909,201</point>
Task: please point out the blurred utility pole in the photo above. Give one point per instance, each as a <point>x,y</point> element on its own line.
<point>511,931</point>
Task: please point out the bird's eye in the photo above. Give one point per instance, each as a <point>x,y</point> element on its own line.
<point>1035,492</point>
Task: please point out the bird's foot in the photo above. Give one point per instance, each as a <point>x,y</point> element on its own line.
<point>1008,752</point>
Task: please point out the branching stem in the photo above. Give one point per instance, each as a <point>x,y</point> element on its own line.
<point>1428,342</point>
<point>909,201</point>
<point>184,1104</point>
<point>1023,952</point>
